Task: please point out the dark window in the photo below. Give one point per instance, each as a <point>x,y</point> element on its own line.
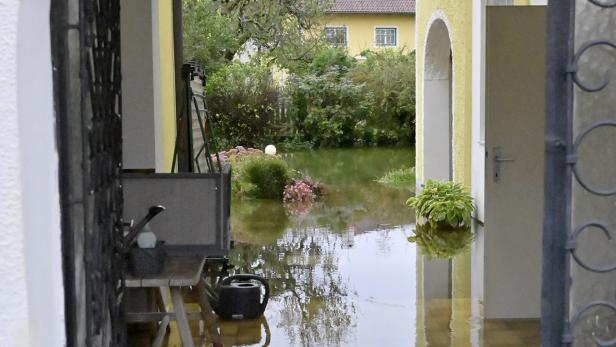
<point>386,37</point>
<point>336,36</point>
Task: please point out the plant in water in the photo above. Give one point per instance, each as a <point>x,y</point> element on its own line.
<point>298,191</point>
<point>300,194</point>
<point>444,243</point>
<point>261,177</point>
<point>399,177</point>
<point>443,204</point>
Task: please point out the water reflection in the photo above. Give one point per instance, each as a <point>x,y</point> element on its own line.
<point>317,292</point>
<point>245,333</point>
<point>342,272</point>
<point>443,243</point>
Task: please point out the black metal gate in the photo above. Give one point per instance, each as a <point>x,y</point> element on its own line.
<point>579,272</point>
<point>87,91</point>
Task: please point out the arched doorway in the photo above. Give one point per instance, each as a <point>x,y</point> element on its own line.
<point>437,113</point>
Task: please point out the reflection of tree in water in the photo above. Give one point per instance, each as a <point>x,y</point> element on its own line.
<point>303,273</point>
<point>298,253</point>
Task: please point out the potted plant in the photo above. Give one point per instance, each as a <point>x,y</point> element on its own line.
<point>443,205</point>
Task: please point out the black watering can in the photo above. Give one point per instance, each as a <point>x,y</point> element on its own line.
<point>237,298</point>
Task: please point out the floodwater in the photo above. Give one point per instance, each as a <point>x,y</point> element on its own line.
<point>342,272</point>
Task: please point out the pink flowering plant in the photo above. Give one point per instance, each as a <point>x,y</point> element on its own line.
<point>298,191</point>
<point>299,196</point>
<point>301,190</point>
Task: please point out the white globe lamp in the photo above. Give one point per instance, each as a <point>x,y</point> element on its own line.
<point>270,150</point>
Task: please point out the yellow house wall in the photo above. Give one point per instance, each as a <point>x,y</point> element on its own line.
<point>360,29</point>
<point>167,79</point>
<point>458,16</point>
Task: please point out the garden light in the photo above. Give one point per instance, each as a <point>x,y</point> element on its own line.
<point>270,150</point>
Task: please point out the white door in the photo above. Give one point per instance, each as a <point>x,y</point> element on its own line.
<point>515,75</point>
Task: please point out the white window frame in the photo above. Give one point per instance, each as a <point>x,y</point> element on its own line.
<point>376,45</point>
<point>346,34</point>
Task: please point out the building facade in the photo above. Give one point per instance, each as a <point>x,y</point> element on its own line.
<point>371,25</point>
<point>507,92</point>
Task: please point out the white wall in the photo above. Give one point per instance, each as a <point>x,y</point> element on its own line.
<point>437,104</point>
<point>478,145</point>
<point>31,288</point>
<point>14,328</point>
<point>138,104</point>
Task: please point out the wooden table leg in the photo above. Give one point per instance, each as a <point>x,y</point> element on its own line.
<point>181,318</point>
<point>162,331</point>
<point>162,301</point>
<point>206,313</point>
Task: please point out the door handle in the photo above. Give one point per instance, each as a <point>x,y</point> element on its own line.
<point>498,159</point>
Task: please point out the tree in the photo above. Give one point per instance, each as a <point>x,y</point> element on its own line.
<point>285,32</point>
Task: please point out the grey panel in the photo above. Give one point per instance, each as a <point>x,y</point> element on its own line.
<point>193,205</point>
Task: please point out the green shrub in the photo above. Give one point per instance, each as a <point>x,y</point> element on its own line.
<point>340,102</point>
<point>389,77</point>
<point>331,58</point>
<point>399,177</point>
<point>444,204</point>
<point>243,101</point>
<point>261,177</point>
<point>327,108</point>
<point>442,243</point>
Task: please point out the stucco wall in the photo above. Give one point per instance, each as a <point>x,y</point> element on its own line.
<point>137,85</point>
<point>458,17</point>
<point>14,312</point>
<point>31,287</point>
<point>360,29</point>
<point>148,84</point>
<point>167,86</point>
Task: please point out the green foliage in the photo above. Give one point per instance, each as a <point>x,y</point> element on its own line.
<point>443,243</point>
<point>283,32</point>
<point>444,204</point>
<point>260,177</point>
<point>340,102</point>
<point>243,100</point>
<point>331,58</point>
<point>389,77</point>
<point>328,108</point>
<point>210,36</point>
<point>399,177</point>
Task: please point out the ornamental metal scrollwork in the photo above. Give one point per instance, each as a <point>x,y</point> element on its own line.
<point>572,245</point>
<point>568,338</point>
<point>604,4</point>
<point>100,75</point>
<point>573,159</point>
<point>574,67</point>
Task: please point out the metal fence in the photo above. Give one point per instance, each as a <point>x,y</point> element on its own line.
<point>87,92</point>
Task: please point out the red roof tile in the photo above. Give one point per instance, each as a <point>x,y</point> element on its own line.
<point>373,6</point>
